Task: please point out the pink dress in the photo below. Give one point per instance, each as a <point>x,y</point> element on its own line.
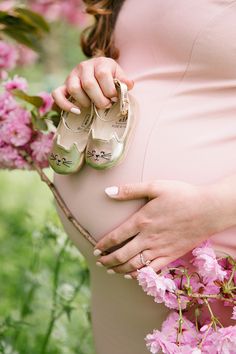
<point>182,57</point>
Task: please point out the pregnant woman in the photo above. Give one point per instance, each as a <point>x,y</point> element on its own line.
<point>177,185</point>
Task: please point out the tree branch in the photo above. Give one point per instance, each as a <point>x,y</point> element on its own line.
<point>63,205</point>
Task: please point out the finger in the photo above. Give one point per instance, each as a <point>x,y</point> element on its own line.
<point>131,275</point>
<point>133,264</point>
<point>123,254</point>
<point>60,96</point>
<point>126,230</point>
<point>105,80</point>
<point>157,264</point>
<point>120,75</point>
<point>161,262</point>
<point>92,88</point>
<point>135,191</point>
<point>74,88</point>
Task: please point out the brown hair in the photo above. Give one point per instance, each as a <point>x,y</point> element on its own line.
<point>97,39</point>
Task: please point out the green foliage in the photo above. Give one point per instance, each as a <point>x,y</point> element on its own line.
<point>36,101</point>
<point>38,263</point>
<point>24,26</point>
<point>44,307</point>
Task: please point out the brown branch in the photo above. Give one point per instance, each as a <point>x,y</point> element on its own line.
<point>63,205</point>
<point>207,296</point>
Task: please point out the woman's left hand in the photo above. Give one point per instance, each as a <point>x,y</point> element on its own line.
<point>177,218</point>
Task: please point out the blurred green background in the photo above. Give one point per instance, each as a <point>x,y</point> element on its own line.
<point>44,280</point>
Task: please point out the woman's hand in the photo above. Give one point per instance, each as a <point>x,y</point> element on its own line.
<point>177,218</point>
<point>91,80</point>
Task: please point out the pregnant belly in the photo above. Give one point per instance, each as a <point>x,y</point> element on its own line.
<point>84,191</point>
<point>188,138</point>
<point>85,196</point>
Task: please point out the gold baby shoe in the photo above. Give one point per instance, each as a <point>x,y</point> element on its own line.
<point>111,130</point>
<point>69,142</point>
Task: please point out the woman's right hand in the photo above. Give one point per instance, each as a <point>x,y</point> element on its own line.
<point>91,80</point>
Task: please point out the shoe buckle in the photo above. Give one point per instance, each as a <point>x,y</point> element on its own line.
<point>123,93</point>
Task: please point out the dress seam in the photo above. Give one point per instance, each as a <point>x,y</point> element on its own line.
<point>156,122</point>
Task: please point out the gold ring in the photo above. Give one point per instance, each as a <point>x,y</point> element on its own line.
<point>142,260</point>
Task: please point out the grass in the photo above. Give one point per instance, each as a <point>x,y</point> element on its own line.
<point>44,280</point>
<point>44,290</point>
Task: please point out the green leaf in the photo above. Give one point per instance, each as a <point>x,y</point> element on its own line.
<point>24,26</point>
<point>21,37</point>
<point>68,309</point>
<point>34,100</point>
<point>16,23</point>
<point>39,123</point>
<point>53,116</point>
<point>33,19</point>
<point>3,14</point>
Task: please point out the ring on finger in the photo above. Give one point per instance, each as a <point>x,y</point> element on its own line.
<point>142,259</point>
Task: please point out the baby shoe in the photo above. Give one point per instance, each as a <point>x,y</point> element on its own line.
<point>69,142</point>
<point>111,130</point>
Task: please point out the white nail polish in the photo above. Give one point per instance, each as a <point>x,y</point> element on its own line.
<point>110,271</point>
<point>112,190</point>
<point>114,99</point>
<point>97,252</point>
<point>99,264</point>
<point>127,276</point>
<point>75,110</point>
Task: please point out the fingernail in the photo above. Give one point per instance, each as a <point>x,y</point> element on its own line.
<point>99,264</point>
<point>127,276</point>
<point>112,190</point>
<point>75,110</point>
<point>110,271</point>
<point>114,99</point>
<point>97,252</point>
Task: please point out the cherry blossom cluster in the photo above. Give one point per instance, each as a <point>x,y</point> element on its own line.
<point>197,292</point>
<point>70,11</point>
<point>20,143</point>
<point>14,55</point>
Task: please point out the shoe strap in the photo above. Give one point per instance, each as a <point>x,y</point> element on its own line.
<point>123,98</point>
<point>123,95</point>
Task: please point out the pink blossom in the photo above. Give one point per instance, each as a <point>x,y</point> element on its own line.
<point>14,132</point>
<point>210,288</point>
<point>155,285</point>
<point>11,159</point>
<point>225,340</point>
<point>26,56</point>
<point>3,75</point>
<point>21,115</point>
<point>187,349</point>
<point>234,313</point>
<point>7,105</point>
<point>70,10</point>
<point>170,328</point>
<point>7,5</point>
<point>8,56</point>
<point>171,301</point>
<point>206,263</point>
<point>16,83</point>
<point>41,147</point>
<point>18,115</point>
<point>157,340</point>
<point>47,102</point>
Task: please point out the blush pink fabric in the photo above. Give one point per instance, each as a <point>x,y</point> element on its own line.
<point>182,57</point>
